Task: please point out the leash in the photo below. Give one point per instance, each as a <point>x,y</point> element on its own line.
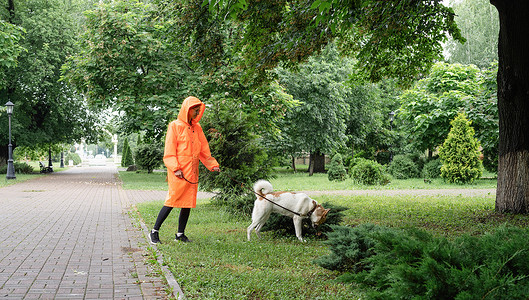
<point>183,177</point>
<point>260,195</point>
<point>275,203</point>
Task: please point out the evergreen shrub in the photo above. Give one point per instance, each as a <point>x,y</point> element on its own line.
<point>284,226</point>
<point>403,167</point>
<point>413,264</point>
<point>349,246</point>
<point>126,156</point>
<point>20,168</point>
<point>149,157</point>
<point>432,169</point>
<point>242,159</point>
<point>460,153</point>
<point>369,172</point>
<point>336,170</point>
<point>73,157</point>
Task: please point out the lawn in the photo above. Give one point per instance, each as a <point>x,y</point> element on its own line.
<point>285,180</point>
<point>23,177</point>
<point>19,178</point>
<point>221,264</point>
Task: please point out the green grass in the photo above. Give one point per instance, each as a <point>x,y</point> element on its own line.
<point>319,182</point>
<point>301,181</point>
<point>19,178</point>
<point>23,177</point>
<point>143,181</point>
<point>221,264</point>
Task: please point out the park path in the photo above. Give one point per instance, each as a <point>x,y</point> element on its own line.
<point>70,235</point>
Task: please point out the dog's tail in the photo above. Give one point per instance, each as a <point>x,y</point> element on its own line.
<point>263,187</point>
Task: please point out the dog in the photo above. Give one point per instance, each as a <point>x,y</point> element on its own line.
<point>295,205</point>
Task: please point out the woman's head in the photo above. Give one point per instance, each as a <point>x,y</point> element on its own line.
<point>193,112</point>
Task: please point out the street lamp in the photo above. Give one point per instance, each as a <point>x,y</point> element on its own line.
<point>10,167</point>
<point>391,117</point>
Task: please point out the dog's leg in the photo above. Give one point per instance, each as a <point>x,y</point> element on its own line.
<point>259,217</point>
<point>261,223</point>
<point>249,229</point>
<point>297,226</point>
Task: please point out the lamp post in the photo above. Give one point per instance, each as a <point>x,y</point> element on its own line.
<point>391,117</point>
<point>10,167</point>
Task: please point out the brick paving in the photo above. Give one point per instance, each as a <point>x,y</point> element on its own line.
<point>68,235</point>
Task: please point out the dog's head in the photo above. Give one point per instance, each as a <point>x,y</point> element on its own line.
<point>319,215</point>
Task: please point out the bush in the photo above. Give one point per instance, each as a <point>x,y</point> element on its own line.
<point>432,169</point>
<point>126,156</point>
<point>238,150</point>
<point>284,226</point>
<point>349,246</point>
<point>403,167</point>
<point>369,172</point>
<point>20,168</point>
<point>74,157</point>
<point>149,156</point>
<point>460,153</point>
<point>337,170</point>
<point>413,264</point>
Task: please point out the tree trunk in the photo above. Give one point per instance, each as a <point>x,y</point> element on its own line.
<point>311,164</point>
<point>512,193</point>
<point>319,162</point>
<point>294,163</point>
<point>49,157</point>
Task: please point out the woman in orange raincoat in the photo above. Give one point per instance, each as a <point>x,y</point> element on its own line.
<point>185,146</point>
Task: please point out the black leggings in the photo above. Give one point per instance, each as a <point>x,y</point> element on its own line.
<point>182,219</point>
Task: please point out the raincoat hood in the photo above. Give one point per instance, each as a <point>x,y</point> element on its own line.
<point>186,105</point>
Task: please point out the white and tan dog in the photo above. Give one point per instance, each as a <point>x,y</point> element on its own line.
<point>295,205</point>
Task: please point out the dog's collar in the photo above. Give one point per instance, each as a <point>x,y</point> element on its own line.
<point>313,209</point>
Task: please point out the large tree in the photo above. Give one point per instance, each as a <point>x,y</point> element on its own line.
<point>46,111</point>
<point>318,124</point>
<point>513,106</point>
<point>124,63</point>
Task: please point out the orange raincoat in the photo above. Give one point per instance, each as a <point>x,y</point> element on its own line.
<point>185,146</point>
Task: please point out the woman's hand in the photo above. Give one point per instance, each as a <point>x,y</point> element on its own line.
<point>179,174</point>
<point>216,169</point>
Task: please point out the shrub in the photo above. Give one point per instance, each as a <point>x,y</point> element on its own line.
<point>413,264</point>
<point>432,169</point>
<point>349,246</point>
<point>74,157</point>
<point>460,153</point>
<point>369,172</point>
<point>403,167</point>
<point>126,156</point>
<point>149,156</point>
<point>20,168</point>
<point>337,170</point>
<point>242,158</point>
<point>283,225</point>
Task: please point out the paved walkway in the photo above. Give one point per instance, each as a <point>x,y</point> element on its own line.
<point>68,235</point>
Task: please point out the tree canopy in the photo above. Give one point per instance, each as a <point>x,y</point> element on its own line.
<point>10,48</point>
<point>428,108</point>
<point>479,24</point>
<point>46,111</point>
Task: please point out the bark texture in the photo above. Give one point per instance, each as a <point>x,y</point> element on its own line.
<point>513,106</point>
